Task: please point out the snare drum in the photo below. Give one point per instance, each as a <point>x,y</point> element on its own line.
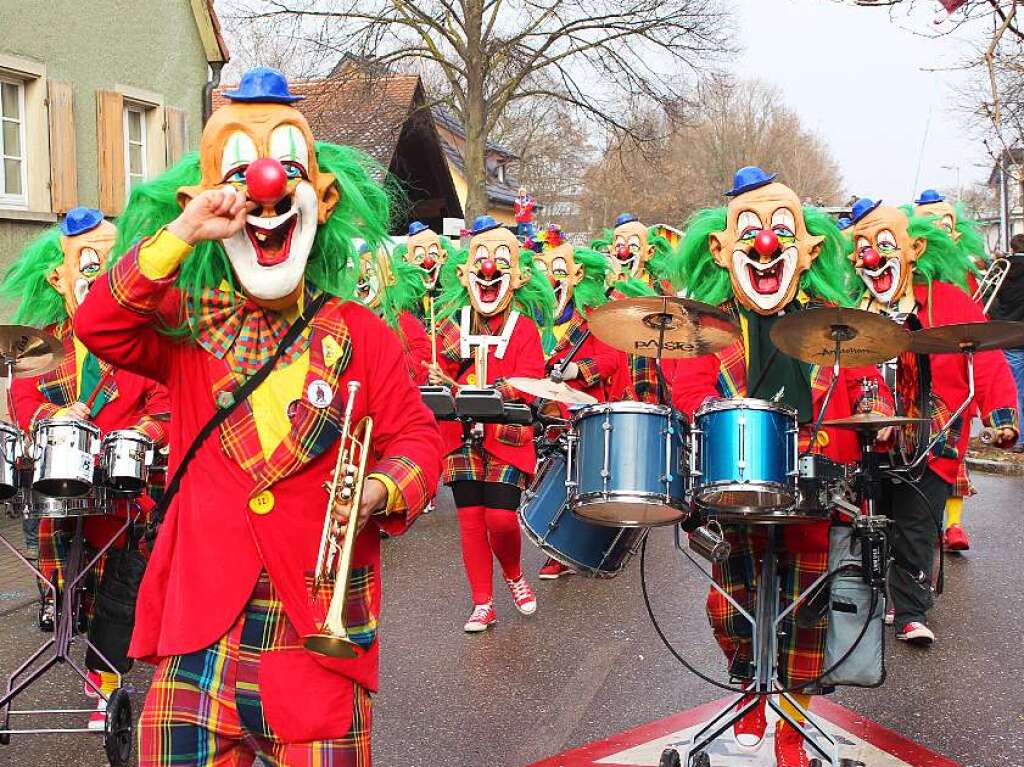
<point>594,550</point>
<point>745,459</point>
<point>125,458</point>
<point>41,506</point>
<point>65,457</point>
<point>10,449</point>
<point>629,465</point>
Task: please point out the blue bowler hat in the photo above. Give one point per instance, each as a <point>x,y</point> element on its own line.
<point>625,218</point>
<point>263,84</point>
<point>928,196</point>
<point>748,179</point>
<point>416,227</point>
<point>862,207</point>
<point>844,223</point>
<point>483,224</point>
<point>80,220</point>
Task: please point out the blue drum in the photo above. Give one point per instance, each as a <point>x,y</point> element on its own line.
<point>594,550</point>
<point>745,459</point>
<point>629,465</point>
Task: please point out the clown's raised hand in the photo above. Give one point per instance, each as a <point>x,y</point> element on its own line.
<point>215,214</point>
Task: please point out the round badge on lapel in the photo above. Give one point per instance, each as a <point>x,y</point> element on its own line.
<point>471,379</point>
<point>319,393</point>
<point>225,399</point>
<point>263,503</point>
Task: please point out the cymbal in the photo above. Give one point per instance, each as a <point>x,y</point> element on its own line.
<point>978,336</point>
<point>871,422</point>
<point>663,326</point>
<point>33,351</point>
<point>545,388</point>
<point>865,338</point>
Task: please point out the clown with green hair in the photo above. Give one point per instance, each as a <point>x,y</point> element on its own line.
<point>238,266</point>
<point>636,251</point>
<point>965,232</point>
<point>493,296</point>
<point>911,266</point>
<point>50,280</point>
<point>429,251</point>
<point>759,258</point>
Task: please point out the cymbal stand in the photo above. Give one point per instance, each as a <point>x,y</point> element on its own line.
<point>839,334</point>
<point>558,372</point>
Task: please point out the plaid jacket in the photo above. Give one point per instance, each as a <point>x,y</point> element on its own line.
<point>597,361</point>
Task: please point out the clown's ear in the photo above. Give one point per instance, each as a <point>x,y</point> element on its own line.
<point>917,248</point>
<point>328,194</point>
<point>815,249</point>
<point>717,248</point>
<point>187,193</point>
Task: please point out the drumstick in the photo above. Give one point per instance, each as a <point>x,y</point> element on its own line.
<point>99,387</point>
<point>433,332</point>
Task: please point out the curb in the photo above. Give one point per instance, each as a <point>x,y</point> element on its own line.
<point>1005,468</point>
<point>15,606</point>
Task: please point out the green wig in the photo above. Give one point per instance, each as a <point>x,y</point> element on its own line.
<point>972,241</point>
<point>405,292</point>
<point>362,213</point>
<point>25,281</point>
<point>942,260</point>
<point>590,292</point>
<point>660,264</point>
<point>830,277</point>
<point>535,298</point>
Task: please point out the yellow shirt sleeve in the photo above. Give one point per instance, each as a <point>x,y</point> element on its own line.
<point>162,254</point>
<point>396,503</point>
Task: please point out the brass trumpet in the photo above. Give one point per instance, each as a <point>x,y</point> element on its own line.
<point>334,561</point>
<point>991,282</point>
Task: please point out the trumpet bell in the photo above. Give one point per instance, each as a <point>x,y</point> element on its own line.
<point>332,646</point>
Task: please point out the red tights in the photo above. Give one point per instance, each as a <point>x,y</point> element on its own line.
<point>485,531</point>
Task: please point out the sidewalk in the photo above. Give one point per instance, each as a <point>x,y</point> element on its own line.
<point>994,460</point>
<point>17,584</point>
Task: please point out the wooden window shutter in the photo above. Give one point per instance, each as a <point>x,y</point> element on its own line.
<point>177,135</point>
<point>63,165</point>
<point>110,150</point>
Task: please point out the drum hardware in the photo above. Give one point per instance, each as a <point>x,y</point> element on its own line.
<point>871,423</point>
<point>10,453</point>
<point>708,541</point>
<point>988,436</point>
<point>440,401</point>
<point>663,327</point>
<point>837,336</point>
<point>334,560</point>
<point>991,282</point>
<point>481,405</point>
<point>968,337</point>
<point>26,351</point>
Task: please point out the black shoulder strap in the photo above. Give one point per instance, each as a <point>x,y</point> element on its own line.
<point>240,395</point>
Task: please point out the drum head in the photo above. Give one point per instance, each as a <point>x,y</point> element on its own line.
<point>62,488</point>
<point>613,512</point>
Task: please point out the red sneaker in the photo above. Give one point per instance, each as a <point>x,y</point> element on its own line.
<point>483,618</point>
<point>749,731</point>
<point>789,747</point>
<point>956,539</point>
<point>522,595</point>
<point>552,570</point>
<point>92,685</point>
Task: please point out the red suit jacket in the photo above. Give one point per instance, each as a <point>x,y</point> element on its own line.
<point>698,379</point>
<point>416,344</point>
<point>597,361</point>
<point>523,357</point>
<point>213,544</point>
<point>132,402</point>
<point>995,396</point>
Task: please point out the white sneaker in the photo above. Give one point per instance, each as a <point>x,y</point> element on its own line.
<point>890,615</point>
<point>916,633</point>
<point>98,718</point>
<point>523,596</point>
<point>483,618</point>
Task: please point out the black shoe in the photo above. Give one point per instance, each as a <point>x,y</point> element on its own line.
<point>46,617</point>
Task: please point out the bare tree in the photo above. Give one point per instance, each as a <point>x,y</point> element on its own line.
<point>736,123</point>
<point>594,55</point>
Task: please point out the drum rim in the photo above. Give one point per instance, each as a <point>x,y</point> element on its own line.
<point>723,404</point>
<point>588,500</point>
<point>764,517</point>
<point>129,435</point>
<point>10,429</point>
<point>79,422</point>
<point>587,570</point>
<point>624,406</point>
<point>732,485</point>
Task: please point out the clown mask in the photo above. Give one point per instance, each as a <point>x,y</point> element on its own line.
<point>267,150</point>
<point>766,247</point>
<point>491,274</point>
<point>85,258</point>
<point>630,250</point>
<point>426,252</point>
<point>562,271</point>
<point>374,277</point>
<point>884,254</point>
<point>945,216</point>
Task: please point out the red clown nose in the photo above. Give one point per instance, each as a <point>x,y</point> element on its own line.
<point>870,258</point>
<point>428,263</point>
<point>488,267</point>
<point>265,180</point>
<point>766,242</point>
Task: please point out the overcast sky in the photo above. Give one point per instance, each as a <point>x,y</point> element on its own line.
<point>858,79</point>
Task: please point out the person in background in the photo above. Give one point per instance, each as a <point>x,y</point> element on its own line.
<point>1009,305</point>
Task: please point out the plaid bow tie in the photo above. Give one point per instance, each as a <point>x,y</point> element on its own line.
<point>234,328</point>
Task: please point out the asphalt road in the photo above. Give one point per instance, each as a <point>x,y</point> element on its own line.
<point>589,665</point>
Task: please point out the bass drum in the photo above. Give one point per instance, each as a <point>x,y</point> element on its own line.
<point>594,550</point>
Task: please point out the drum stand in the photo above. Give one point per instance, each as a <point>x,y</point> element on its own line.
<point>765,626</point>
<point>117,730</point>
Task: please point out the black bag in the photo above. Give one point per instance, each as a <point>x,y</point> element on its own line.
<point>113,621</point>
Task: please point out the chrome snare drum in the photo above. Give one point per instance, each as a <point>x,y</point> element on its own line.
<point>41,506</point>
<point>595,550</point>
<point>125,458</point>
<point>65,457</point>
<point>745,459</point>
<point>10,450</point>
<point>628,465</point>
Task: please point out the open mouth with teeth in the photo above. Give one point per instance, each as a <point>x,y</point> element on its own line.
<point>766,279</point>
<point>432,274</point>
<point>271,237</point>
<point>882,281</point>
<point>489,293</point>
<point>765,283</point>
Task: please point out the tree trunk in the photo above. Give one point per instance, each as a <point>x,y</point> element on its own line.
<point>474,115</point>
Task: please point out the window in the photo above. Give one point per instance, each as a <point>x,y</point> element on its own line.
<point>13,183</point>
<point>134,146</point>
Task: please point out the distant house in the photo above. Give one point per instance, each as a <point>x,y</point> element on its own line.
<point>95,99</point>
<point>1014,201</point>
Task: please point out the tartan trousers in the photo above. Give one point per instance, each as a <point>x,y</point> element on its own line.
<point>54,540</point>
<point>204,709</point>
<point>801,648</point>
